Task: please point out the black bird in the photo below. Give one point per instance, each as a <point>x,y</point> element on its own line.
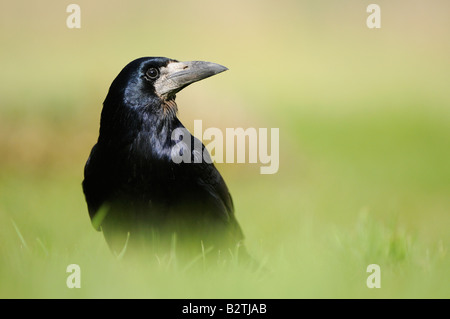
<point>136,193</point>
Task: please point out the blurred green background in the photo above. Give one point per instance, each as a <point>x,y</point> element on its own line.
<point>364,119</point>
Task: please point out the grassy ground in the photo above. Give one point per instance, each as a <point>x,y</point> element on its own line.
<point>364,122</point>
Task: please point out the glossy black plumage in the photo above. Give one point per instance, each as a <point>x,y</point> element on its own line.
<point>132,186</point>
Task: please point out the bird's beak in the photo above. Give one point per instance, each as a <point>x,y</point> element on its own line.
<point>177,75</point>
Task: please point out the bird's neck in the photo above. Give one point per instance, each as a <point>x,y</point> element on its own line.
<point>170,108</point>
<point>159,127</point>
<point>146,130</point>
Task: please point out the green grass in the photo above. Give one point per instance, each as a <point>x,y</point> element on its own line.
<point>306,253</point>
<point>364,122</point>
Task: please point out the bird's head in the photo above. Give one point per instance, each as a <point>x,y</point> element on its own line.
<point>150,83</point>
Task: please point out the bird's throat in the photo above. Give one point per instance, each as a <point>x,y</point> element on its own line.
<point>170,107</point>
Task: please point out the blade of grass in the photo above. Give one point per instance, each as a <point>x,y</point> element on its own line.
<point>100,216</point>
<point>24,243</point>
<point>124,249</point>
<point>42,246</point>
<point>202,256</point>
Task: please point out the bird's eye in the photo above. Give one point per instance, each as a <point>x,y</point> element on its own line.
<point>152,73</point>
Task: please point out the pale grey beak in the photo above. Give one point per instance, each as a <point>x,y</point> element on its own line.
<point>177,75</point>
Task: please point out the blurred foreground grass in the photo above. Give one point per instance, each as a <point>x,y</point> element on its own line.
<point>364,145</point>
<point>307,256</point>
